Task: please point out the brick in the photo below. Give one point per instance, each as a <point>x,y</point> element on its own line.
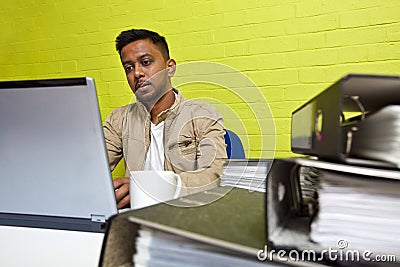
<point>311,41</point>
<point>230,80</point>
<point>301,92</point>
<point>273,44</point>
<point>384,51</point>
<point>309,8</point>
<point>252,127</point>
<point>345,6</point>
<point>274,77</point>
<point>7,71</point>
<point>284,109</point>
<point>355,36</point>
<point>118,101</point>
<point>283,142</point>
<point>171,27</point>
<point>45,44</point>
<point>283,125</point>
<point>236,49</point>
<point>170,12</point>
<point>393,67</point>
<point>94,50</point>
<point>272,61</point>
<point>273,93</point>
<point>227,96</point>
<point>245,32</point>
<point>89,63</point>
<point>262,144</point>
<point>243,111</point>
<point>8,5</point>
<point>250,95</point>
<point>242,63</point>
<point>262,111</point>
<point>353,54</point>
<point>272,28</point>
<point>71,53</point>
<point>271,13</point>
<point>312,75</point>
<point>69,66</point>
<point>386,14</point>
<point>318,57</point>
<point>108,49</point>
<point>393,32</point>
<point>146,6</point>
<point>312,24</point>
<point>100,37</point>
<point>114,60</point>
<point>51,67</point>
<point>379,67</point>
<point>234,18</point>
<point>119,88</point>
<point>223,6</point>
<point>356,18</point>
<point>194,39</point>
<point>334,74</point>
<point>203,8</point>
<point>199,91</point>
<point>104,100</point>
<point>112,74</point>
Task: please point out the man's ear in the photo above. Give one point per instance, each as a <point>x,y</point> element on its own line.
<point>171,67</point>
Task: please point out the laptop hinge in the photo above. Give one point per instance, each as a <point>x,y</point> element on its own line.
<point>98,218</point>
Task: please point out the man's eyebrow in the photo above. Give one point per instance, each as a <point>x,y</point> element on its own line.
<point>140,57</point>
<point>146,55</point>
<point>127,62</point>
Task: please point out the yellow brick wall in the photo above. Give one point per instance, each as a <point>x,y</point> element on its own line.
<point>290,49</point>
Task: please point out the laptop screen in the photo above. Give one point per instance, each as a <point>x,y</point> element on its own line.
<point>53,161</point>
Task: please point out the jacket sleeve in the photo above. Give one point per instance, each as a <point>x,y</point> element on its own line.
<point>209,131</point>
<point>112,129</point>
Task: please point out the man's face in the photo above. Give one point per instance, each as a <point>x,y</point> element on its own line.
<point>146,70</point>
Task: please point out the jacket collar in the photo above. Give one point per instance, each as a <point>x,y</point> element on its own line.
<point>163,115</point>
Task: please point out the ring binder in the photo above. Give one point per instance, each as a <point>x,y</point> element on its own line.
<point>320,127</point>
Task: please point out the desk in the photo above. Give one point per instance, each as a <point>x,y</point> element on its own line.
<point>23,246</point>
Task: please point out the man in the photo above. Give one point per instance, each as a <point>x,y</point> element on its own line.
<point>162,130</point>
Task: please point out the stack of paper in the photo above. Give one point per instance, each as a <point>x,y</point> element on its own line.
<point>378,136</point>
<point>309,182</point>
<point>249,174</point>
<point>358,212</point>
<point>155,248</point>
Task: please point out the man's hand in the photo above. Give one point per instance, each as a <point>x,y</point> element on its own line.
<point>121,187</point>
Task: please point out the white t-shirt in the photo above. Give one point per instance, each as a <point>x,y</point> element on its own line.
<point>155,154</point>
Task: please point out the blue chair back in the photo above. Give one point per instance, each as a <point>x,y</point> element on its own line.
<point>234,147</point>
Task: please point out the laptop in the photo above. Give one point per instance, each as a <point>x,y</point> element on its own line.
<point>54,170</point>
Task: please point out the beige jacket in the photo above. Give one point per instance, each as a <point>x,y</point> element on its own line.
<point>193,139</point>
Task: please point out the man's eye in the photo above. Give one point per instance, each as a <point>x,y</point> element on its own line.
<point>128,68</point>
<point>146,62</point>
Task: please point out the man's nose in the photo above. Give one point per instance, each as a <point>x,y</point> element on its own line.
<point>138,71</point>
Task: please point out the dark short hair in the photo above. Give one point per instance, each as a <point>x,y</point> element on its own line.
<point>129,36</point>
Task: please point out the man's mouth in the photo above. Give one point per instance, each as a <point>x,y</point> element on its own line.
<point>142,85</point>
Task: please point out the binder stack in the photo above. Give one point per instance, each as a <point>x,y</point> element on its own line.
<point>344,196</point>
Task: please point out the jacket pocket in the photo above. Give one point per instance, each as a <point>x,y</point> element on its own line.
<point>187,147</point>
